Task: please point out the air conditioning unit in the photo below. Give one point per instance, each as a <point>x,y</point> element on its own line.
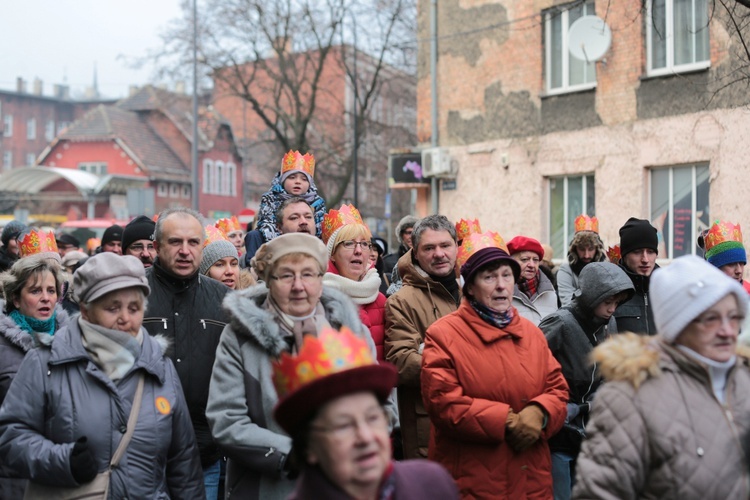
<point>436,163</point>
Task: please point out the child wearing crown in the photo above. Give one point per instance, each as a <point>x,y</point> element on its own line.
<point>294,179</point>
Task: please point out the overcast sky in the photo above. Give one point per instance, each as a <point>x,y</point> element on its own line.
<point>58,39</point>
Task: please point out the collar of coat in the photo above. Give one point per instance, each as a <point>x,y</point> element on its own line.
<point>545,285</point>
<point>633,358</point>
<point>21,339</point>
<point>640,283</point>
<point>250,319</point>
<point>173,282</point>
<point>68,348</point>
<point>413,275</point>
<point>516,329</point>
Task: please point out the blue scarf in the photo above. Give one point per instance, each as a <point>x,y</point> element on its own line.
<point>494,318</point>
<point>33,325</point>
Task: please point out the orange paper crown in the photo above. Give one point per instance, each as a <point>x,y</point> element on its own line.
<point>466,227</point>
<point>294,160</point>
<point>336,219</point>
<point>35,242</point>
<point>331,352</point>
<point>586,223</point>
<point>213,234</point>
<point>613,254</point>
<point>92,244</point>
<point>476,242</point>
<point>228,225</point>
<point>722,232</point>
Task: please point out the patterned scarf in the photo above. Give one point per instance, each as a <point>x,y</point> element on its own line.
<point>529,287</point>
<point>494,318</point>
<point>34,326</point>
<point>387,490</point>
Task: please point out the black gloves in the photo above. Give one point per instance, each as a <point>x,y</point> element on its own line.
<point>82,462</point>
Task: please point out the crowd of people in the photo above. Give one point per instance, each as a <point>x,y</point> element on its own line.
<point>300,359</point>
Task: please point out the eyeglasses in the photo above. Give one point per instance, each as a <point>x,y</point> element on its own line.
<point>306,277</point>
<point>347,431</point>
<point>351,244</point>
<point>713,321</point>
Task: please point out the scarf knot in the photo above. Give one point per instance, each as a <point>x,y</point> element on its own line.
<point>494,318</point>
<point>529,287</point>
<point>34,326</point>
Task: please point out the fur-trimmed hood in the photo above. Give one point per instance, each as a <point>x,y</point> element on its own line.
<point>10,330</point>
<point>248,318</point>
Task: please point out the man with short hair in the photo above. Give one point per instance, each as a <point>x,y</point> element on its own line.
<point>185,307</point>
<point>9,252</point>
<point>112,239</point>
<point>430,291</point>
<point>294,215</point>
<point>67,243</point>
<point>138,240</point>
<point>639,247</point>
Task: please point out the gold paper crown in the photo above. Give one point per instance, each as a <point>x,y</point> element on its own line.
<point>466,227</point>
<point>212,235</point>
<point>228,225</point>
<point>331,352</point>
<point>93,243</point>
<point>613,254</point>
<point>722,232</point>
<point>335,219</point>
<point>476,242</point>
<point>294,160</point>
<point>586,223</point>
<point>35,242</point>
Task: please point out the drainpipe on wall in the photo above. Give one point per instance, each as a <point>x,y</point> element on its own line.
<point>433,91</point>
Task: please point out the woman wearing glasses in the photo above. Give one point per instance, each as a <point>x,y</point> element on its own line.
<point>673,418</point>
<point>266,320</point>
<point>349,244</point>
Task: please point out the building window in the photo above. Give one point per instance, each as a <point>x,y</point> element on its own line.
<point>8,125</point>
<point>174,190</point>
<point>218,179</point>
<point>677,36</point>
<point>564,72</point>
<point>186,192</point>
<point>162,189</point>
<point>208,167</point>
<point>30,159</point>
<point>7,160</point>
<point>96,168</point>
<point>569,197</point>
<point>232,179</point>
<point>49,130</point>
<point>31,129</point>
<point>679,208</point>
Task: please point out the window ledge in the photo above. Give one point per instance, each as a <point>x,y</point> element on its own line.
<point>686,70</point>
<point>564,92</point>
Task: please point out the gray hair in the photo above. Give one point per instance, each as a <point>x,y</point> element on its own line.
<point>289,201</point>
<point>23,270</point>
<point>158,232</point>
<point>436,223</point>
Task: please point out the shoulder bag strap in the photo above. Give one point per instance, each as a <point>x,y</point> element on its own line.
<point>135,409</point>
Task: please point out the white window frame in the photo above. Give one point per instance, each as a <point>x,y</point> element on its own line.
<point>566,213</point>
<point>7,160</point>
<point>218,180</point>
<point>94,167</point>
<point>670,67</point>
<point>49,130</point>
<point>162,189</point>
<point>174,190</point>
<point>208,166</point>
<point>565,87</point>
<point>232,179</point>
<point>186,192</point>
<point>30,159</point>
<point>8,125</point>
<point>31,129</point>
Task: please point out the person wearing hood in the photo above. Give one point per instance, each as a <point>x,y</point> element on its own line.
<point>673,417</point>
<point>572,332</point>
<point>9,253</point>
<point>585,247</point>
<point>639,248</point>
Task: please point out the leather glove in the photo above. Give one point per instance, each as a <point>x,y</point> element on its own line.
<point>525,428</point>
<point>82,463</point>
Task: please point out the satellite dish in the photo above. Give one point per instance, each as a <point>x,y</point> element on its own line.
<point>589,38</point>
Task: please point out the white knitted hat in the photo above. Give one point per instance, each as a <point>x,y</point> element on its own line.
<point>683,290</point>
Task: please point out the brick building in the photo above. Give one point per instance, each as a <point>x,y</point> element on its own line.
<point>651,130</point>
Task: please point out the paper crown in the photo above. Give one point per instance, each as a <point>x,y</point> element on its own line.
<point>335,219</point>
<point>92,244</point>
<point>476,242</point>
<point>213,234</point>
<point>613,254</point>
<point>723,232</point>
<point>35,242</point>
<point>466,227</point>
<point>294,160</point>
<point>228,225</point>
<point>586,223</point>
<point>328,353</point>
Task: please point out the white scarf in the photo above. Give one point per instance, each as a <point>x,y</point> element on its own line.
<point>113,351</point>
<point>717,370</point>
<point>361,292</point>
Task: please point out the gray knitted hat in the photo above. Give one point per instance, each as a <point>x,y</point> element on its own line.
<point>215,251</point>
<point>11,230</point>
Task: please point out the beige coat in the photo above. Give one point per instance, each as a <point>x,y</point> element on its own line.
<point>408,313</point>
<point>658,431</point>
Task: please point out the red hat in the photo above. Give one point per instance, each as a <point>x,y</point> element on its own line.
<point>525,244</point>
<point>331,365</point>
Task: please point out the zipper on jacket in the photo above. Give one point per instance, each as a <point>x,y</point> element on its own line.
<point>203,322</point>
<point>270,451</point>
<point>645,312</point>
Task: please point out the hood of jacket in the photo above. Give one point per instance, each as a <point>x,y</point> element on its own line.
<point>248,317</point>
<point>10,330</point>
<point>600,282</point>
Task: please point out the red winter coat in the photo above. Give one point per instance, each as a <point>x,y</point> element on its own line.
<point>472,374</point>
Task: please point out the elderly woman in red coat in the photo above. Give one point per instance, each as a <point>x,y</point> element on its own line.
<point>490,384</point>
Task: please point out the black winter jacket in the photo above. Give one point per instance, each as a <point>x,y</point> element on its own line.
<point>188,312</point>
<point>636,315</point>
